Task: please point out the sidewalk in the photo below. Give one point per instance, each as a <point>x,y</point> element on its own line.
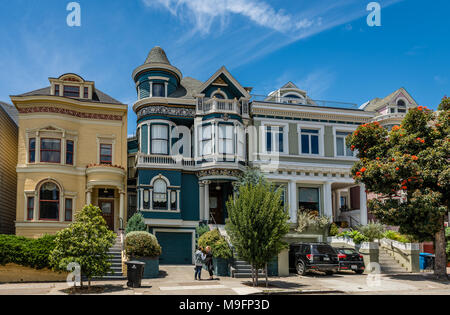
<point>179,280</point>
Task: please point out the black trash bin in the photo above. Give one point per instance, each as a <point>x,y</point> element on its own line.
<point>135,271</point>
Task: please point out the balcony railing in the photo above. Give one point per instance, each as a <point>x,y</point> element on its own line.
<point>303,102</point>
<point>164,160</point>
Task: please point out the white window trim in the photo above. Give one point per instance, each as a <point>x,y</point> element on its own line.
<point>337,129</point>
<point>219,92</point>
<point>105,139</point>
<point>321,135</point>
<point>263,137</point>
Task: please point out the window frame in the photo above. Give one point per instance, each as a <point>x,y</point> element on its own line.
<point>58,202</point>
<point>30,218</point>
<point>32,150</point>
<point>66,209</point>
<point>319,202</point>
<point>203,140</point>
<point>167,206</point>
<point>70,152</point>
<point>346,148</point>
<point>71,94</point>
<point>104,162</point>
<point>310,135</point>
<point>42,140</point>
<point>166,140</point>
<point>275,138</point>
<point>222,141</point>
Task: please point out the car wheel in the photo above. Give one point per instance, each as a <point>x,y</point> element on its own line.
<point>329,273</point>
<point>301,268</point>
<point>359,272</point>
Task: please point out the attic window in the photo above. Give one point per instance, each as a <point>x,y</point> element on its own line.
<point>401,106</point>
<point>71,91</point>
<point>86,92</point>
<point>57,89</point>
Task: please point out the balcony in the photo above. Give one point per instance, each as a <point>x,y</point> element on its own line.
<point>303,102</point>
<point>158,161</point>
<point>216,105</point>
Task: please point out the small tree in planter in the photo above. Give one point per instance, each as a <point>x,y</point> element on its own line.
<point>257,224</point>
<point>311,220</point>
<point>136,224</point>
<point>86,242</point>
<point>220,249</point>
<point>143,246</point>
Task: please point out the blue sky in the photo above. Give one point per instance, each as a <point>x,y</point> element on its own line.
<point>324,46</point>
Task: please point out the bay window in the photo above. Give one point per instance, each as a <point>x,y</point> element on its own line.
<point>275,139</point>
<point>160,139</point>
<point>51,150</point>
<point>159,90</point>
<point>309,141</point>
<point>342,149</point>
<point>226,143</point>
<point>241,142</point>
<point>207,140</point>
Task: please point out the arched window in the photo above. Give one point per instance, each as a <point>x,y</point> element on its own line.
<point>160,195</point>
<point>49,202</point>
<point>401,106</point>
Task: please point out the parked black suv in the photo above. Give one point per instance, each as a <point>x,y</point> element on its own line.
<point>304,257</point>
<point>350,259</point>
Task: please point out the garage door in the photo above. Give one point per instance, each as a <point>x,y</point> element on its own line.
<point>176,248</point>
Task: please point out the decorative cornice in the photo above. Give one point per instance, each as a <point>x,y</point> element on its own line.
<point>69,112</point>
<point>219,172</point>
<point>165,110</point>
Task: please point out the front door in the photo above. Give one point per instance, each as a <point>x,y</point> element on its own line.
<point>216,206</point>
<point>107,207</point>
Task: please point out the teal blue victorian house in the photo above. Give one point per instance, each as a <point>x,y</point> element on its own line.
<point>190,146</point>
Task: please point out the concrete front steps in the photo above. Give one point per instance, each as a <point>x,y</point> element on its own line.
<point>116,263</point>
<point>389,265</point>
<point>243,269</point>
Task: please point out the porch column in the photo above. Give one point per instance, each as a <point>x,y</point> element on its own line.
<point>293,204</point>
<point>328,203</point>
<point>122,210</point>
<point>207,200</point>
<point>202,201</point>
<point>141,199</point>
<point>89,196</point>
<point>363,204</point>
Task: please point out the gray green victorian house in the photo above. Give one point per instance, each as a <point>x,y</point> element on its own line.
<point>194,138</point>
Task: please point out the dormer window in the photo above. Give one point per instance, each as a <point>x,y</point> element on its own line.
<point>57,89</point>
<point>86,93</point>
<point>401,105</point>
<point>71,91</point>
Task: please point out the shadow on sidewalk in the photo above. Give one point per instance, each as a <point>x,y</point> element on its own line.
<point>417,277</point>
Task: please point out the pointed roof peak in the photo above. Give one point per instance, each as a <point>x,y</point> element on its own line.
<point>289,85</point>
<point>157,55</point>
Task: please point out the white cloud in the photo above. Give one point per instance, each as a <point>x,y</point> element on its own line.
<point>203,14</point>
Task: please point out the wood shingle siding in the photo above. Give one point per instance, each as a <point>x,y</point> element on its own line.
<point>8,177</point>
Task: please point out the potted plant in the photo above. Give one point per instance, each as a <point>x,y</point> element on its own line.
<point>311,222</point>
<point>143,246</point>
<point>221,251</point>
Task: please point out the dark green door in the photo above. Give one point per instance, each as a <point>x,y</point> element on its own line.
<point>176,248</point>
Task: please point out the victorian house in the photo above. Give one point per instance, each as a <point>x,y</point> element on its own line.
<point>189,147</point>
<point>300,145</point>
<point>72,151</point>
<point>8,161</point>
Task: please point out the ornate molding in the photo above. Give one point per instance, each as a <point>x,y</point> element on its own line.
<point>165,110</point>
<point>219,172</point>
<point>70,112</point>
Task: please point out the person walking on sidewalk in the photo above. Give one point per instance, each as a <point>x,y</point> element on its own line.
<point>209,262</point>
<point>199,259</point>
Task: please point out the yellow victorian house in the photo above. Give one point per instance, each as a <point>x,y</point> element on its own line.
<point>72,151</point>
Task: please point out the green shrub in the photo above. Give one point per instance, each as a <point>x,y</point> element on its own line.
<point>219,245</point>
<point>26,252</point>
<point>355,235</point>
<point>373,231</point>
<point>202,229</point>
<point>447,234</point>
<point>136,223</point>
<point>395,236</point>
<point>334,230</point>
<point>142,244</point>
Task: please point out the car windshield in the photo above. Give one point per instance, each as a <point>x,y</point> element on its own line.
<point>323,249</point>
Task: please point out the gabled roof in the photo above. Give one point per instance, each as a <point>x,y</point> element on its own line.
<point>378,103</point>
<point>226,73</point>
<point>188,88</point>
<point>11,111</point>
<point>289,85</point>
<point>97,96</point>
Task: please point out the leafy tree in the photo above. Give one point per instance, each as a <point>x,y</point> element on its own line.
<point>86,242</point>
<point>136,224</point>
<point>408,168</point>
<point>219,245</point>
<point>257,223</point>
<point>252,175</point>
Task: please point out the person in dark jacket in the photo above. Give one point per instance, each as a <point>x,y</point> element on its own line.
<point>199,259</point>
<point>209,262</point>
